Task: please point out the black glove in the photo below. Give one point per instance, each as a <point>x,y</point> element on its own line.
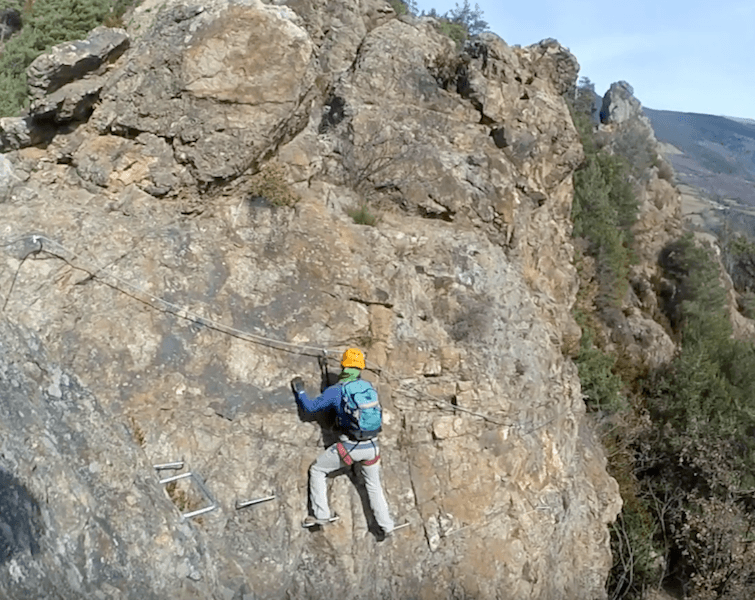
<point>297,385</point>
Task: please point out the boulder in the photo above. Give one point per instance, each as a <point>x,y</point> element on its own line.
<point>70,61</point>
<point>116,162</point>
<point>226,86</point>
<point>649,346</point>
<point>7,178</point>
<point>20,132</point>
<point>619,104</point>
<point>10,23</point>
<point>72,102</point>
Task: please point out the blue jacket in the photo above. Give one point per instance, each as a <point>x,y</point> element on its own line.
<point>330,399</point>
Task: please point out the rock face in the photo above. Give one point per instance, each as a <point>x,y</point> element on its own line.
<point>75,60</point>
<point>71,529</point>
<point>226,86</point>
<point>158,298</point>
<point>619,104</point>
<point>7,178</point>
<point>57,86</point>
<point>22,132</point>
<point>10,23</point>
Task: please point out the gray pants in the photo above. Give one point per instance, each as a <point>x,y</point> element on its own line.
<point>330,461</point>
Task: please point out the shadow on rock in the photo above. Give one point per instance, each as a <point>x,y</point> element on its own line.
<point>20,520</point>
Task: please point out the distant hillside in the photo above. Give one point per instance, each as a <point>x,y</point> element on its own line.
<point>717,153</point>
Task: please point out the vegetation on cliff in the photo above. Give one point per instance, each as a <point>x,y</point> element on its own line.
<point>459,23</point>
<point>680,438</point>
<point>45,24</point>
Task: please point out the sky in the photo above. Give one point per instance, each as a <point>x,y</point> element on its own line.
<point>694,56</point>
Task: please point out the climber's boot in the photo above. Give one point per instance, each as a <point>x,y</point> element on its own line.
<point>312,521</point>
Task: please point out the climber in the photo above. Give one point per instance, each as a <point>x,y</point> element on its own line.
<point>359,419</point>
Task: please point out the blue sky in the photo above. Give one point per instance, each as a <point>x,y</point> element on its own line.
<point>689,56</point>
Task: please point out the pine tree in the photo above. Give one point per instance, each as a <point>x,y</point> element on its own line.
<point>470,17</point>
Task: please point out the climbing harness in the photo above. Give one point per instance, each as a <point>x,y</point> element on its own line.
<point>346,455</point>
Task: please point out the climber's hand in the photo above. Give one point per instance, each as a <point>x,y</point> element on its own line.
<point>297,385</point>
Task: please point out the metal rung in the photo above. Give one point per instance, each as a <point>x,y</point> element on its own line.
<point>197,479</point>
<point>397,527</point>
<point>246,503</point>
<point>179,464</point>
<point>201,511</point>
<point>175,477</point>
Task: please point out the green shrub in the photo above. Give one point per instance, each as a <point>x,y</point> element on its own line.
<point>697,290</point>
<point>632,143</point>
<point>746,304</point>
<point>665,170</point>
<point>702,407</point>
<point>601,387</point>
<point>456,31</point>
<point>605,205</point>
<point>362,215</point>
<point>637,563</point>
<point>603,211</point>
<point>470,18</point>
<point>739,260</point>
<point>459,23</point>
<point>400,7</point>
<point>271,184</point>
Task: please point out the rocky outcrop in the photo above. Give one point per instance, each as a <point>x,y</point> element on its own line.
<point>192,85</point>
<point>158,300</point>
<point>72,61</point>
<point>65,84</point>
<point>22,132</point>
<point>619,104</point>
<point>10,23</point>
<point>80,496</point>
<point>638,331</point>
<point>7,178</point>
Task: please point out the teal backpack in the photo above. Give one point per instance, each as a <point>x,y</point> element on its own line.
<point>361,417</point>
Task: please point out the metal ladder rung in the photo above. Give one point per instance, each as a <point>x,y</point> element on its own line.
<point>246,503</point>
<point>179,464</point>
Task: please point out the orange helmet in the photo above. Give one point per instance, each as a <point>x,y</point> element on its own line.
<point>353,358</point>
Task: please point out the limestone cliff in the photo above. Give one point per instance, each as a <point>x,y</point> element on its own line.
<point>161,286</point>
<point>639,331</point>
